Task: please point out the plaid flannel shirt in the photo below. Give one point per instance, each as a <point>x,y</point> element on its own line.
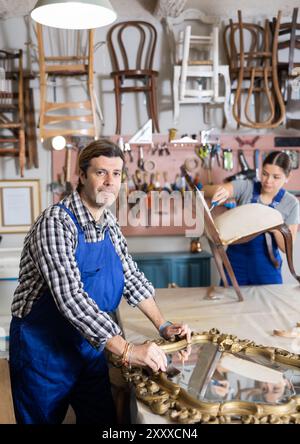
<point>48,262</point>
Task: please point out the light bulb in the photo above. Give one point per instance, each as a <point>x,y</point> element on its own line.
<point>59,143</point>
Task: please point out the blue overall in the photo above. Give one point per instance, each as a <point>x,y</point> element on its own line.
<point>251,261</point>
<point>52,365</point>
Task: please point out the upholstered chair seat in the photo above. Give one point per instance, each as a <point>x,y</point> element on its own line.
<point>246,220</point>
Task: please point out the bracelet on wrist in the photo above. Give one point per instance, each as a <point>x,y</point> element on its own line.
<point>126,356</point>
<point>130,351</point>
<point>125,353</point>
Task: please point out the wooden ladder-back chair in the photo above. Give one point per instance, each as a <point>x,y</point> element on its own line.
<point>199,73</point>
<point>194,52</point>
<point>12,124</point>
<point>138,68</point>
<point>258,66</point>
<point>237,226</point>
<point>75,118</point>
<point>289,71</point>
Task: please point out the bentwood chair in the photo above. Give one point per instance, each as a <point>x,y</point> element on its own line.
<point>252,56</point>
<point>289,71</point>
<point>132,60</point>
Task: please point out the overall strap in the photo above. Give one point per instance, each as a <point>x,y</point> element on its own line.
<point>72,216</point>
<point>256,193</point>
<point>277,198</point>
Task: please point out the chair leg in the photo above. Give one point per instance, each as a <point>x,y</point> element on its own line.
<point>257,104</point>
<point>227,97</point>
<point>176,75</point>
<point>219,263</point>
<point>22,151</point>
<point>118,104</point>
<point>153,107</point>
<point>230,271</point>
<point>43,96</point>
<point>30,132</point>
<point>150,104</point>
<point>288,242</point>
<point>206,114</point>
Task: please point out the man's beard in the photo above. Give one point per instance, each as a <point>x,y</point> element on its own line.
<point>104,199</point>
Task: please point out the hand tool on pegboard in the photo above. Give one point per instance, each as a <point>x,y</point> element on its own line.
<point>227,159</point>
<point>245,173</point>
<point>127,150</point>
<point>140,161</point>
<point>256,164</point>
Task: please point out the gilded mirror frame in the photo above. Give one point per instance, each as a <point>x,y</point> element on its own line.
<point>165,397</point>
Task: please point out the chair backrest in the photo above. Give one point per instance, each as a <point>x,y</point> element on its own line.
<point>289,38</point>
<point>209,225</point>
<point>69,55</point>
<point>248,38</point>
<point>132,45</point>
<point>64,50</point>
<point>175,27</point>
<point>203,51</point>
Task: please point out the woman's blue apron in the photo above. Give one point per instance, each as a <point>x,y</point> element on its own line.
<point>251,261</point>
<point>52,365</point>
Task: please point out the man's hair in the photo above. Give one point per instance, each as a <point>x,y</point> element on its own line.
<point>101,147</point>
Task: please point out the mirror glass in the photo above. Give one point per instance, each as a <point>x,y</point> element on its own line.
<point>210,375</point>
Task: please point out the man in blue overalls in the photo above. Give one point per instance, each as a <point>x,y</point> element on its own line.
<point>74,269</point>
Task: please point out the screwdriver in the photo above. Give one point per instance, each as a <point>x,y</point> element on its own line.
<point>228,205</point>
<point>213,205</point>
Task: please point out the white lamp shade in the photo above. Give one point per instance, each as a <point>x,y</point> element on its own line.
<point>68,14</point>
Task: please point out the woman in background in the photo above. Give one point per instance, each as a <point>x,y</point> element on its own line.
<point>251,261</point>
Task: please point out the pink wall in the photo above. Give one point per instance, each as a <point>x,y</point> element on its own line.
<point>172,163</point>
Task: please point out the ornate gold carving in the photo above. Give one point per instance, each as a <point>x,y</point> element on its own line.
<point>167,398</point>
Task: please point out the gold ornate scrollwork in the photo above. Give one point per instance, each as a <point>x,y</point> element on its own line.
<point>167,398</point>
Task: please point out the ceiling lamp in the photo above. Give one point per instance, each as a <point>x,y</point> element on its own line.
<point>68,14</point>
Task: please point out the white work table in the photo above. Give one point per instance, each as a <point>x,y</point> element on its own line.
<point>264,309</point>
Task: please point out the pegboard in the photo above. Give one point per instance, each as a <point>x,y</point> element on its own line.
<point>178,155</point>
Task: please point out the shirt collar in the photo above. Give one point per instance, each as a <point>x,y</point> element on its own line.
<point>82,214</point>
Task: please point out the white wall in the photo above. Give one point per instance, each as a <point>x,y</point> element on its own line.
<point>250,8</point>
<point>14,33</point>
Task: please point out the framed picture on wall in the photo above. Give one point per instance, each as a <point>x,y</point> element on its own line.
<point>20,204</point>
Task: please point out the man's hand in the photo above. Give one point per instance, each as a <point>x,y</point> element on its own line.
<point>181,330</point>
<point>221,195</point>
<point>149,354</point>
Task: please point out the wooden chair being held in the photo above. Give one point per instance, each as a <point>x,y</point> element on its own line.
<point>253,220</point>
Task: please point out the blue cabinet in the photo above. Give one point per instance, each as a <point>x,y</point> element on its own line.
<point>182,269</point>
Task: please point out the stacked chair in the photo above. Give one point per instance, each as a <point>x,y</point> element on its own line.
<point>252,56</point>
<point>196,68</point>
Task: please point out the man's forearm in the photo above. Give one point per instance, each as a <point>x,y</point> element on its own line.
<point>150,309</point>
